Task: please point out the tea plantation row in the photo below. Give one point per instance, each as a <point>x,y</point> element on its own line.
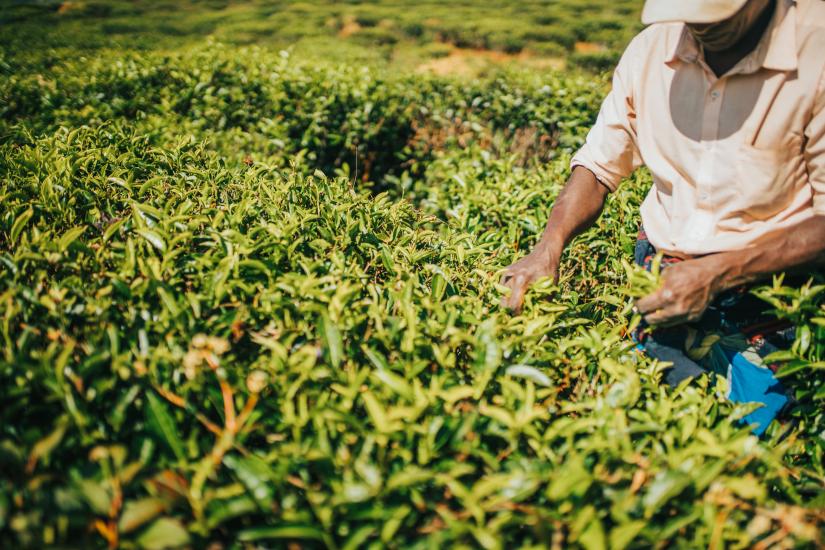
<point>248,302</point>
<point>587,33</point>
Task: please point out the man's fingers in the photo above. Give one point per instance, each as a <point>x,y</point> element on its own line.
<point>665,317</point>
<point>652,302</point>
<point>519,282</point>
<point>506,280</point>
<point>518,286</point>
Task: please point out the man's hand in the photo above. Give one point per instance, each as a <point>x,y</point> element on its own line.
<point>576,208</point>
<point>519,276</point>
<point>687,290</point>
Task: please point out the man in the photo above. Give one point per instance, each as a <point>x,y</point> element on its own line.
<point>723,101</point>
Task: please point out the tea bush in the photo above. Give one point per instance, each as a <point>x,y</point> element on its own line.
<point>214,333</point>
<point>330,115</point>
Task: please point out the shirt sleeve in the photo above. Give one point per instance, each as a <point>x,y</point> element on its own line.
<point>611,151</point>
<point>815,149</point>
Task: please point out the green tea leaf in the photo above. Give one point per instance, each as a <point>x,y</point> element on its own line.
<point>333,342</point>
<point>139,512</point>
<point>163,425</point>
<point>153,238</point>
<point>19,223</point>
<point>69,237</point>
<point>297,532</point>
<point>164,533</point>
<point>664,487</point>
<point>96,495</point>
<point>256,477</point>
<point>622,535</point>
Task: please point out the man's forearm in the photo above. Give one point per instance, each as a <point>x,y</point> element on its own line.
<point>788,249</point>
<point>577,207</point>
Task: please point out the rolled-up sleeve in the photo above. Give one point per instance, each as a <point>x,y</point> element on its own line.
<point>815,149</point>
<point>611,151</point>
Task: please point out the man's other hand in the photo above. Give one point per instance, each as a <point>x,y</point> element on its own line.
<point>523,273</point>
<point>687,290</point>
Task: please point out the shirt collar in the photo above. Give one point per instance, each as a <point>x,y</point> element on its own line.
<point>776,49</point>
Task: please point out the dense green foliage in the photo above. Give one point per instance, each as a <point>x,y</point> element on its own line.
<point>376,31</point>
<point>252,301</point>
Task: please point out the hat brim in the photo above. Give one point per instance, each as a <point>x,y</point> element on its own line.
<point>693,11</point>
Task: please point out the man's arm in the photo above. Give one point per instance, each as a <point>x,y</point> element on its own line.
<point>689,287</point>
<point>609,154</point>
<point>577,207</point>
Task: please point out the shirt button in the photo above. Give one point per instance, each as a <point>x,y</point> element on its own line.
<point>704,196</point>
<point>714,96</point>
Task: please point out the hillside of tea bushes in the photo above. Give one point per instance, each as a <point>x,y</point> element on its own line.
<point>251,302</point>
<point>585,33</point>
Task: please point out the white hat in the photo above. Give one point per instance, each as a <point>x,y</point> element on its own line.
<point>690,11</point>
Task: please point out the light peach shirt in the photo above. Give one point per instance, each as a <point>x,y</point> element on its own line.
<point>733,158</point>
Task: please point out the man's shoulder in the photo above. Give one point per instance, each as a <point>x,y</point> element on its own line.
<point>812,14</point>
<point>810,38</point>
<point>658,31</point>
<point>658,37</point>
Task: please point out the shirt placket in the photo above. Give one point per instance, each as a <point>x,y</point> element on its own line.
<point>701,226</point>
